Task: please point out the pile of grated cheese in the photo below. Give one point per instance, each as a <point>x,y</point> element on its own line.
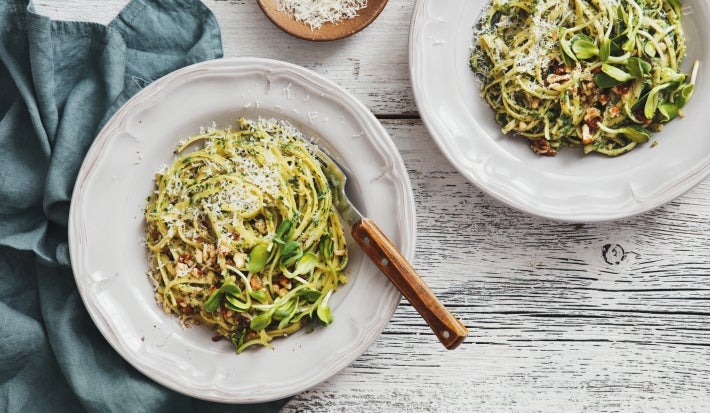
<point>542,33</point>
<point>316,12</point>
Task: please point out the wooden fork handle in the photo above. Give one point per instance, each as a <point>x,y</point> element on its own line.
<point>448,329</point>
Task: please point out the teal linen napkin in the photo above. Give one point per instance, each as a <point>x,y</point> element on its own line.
<point>59,82</point>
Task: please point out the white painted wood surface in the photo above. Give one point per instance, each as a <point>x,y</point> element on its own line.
<point>596,317</point>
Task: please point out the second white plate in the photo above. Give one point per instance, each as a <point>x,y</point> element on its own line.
<point>569,186</point>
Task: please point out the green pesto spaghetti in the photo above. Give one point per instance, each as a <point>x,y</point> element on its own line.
<point>601,74</point>
<point>242,234</point>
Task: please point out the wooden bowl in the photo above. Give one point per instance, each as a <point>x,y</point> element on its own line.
<point>328,31</point>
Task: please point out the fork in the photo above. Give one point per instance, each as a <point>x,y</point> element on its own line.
<point>384,254</point>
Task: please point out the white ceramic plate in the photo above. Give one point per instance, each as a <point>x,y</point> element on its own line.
<point>568,187</point>
<point>106,227</point>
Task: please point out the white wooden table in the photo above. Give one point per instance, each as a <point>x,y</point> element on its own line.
<point>563,317</point>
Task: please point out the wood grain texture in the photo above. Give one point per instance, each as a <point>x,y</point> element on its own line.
<point>372,64</point>
<point>564,317</point>
<point>559,321</point>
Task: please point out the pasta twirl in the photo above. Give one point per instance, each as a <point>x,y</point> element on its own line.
<point>242,234</point>
<point>602,74</point>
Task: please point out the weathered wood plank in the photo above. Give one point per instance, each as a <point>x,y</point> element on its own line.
<point>559,322</point>
<point>372,64</point>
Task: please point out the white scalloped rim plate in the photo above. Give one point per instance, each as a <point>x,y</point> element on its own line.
<point>568,187</point>
<point>106,227</point>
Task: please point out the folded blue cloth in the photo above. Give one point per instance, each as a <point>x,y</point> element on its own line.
<point>59,82</point>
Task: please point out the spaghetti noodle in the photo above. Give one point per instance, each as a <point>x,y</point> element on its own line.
<point>602,74</point>
<point>242,235</point>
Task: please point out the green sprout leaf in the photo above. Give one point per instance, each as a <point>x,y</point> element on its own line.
<point>616,73</point>
<point>261,321</point>
<point>233,303</point>
<point>238,337</point>
<point>230,288</point>
<point>306,264</point>
<point>605,81</point>
<point>281,314</point>
<point>649,49</point>
<point>285,313</point>
<point>291,253</point>
<point>210,305</point>
<point>668,111</point>
<point>638,68</point>
<point>324,313</point>
<point>326,247</point>
<point>652,100</point>
<point>565,50</point>
<point>604,49</point>
<point>309,295</point>
<point>669,75</point>
<point>258,295</point>
<point>683,95</point>
<point>323,310</point>
<point>635,133</point>
<point>257,258</point>
<point>282,231</point>
<point>583,47</point>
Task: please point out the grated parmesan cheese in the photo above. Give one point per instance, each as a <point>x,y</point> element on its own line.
<point>316,12</point>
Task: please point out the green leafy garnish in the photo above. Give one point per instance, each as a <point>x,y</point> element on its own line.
<point>282,232</point>
<point>233,303</point>
<point>583,47</point>
<point>261,321</point>
<point>290,253</point>
<point>616,73</point>
<point>210,305</point>
<point>306,264</point>
<point>257,258</point>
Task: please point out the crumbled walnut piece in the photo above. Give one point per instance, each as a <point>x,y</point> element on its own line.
<point>639,114</point>
<point>222,250</point>
<point>541,146</point>
<point>184,257</point>
<point>614,111</point>
<point>209,254</point>
<point>240,259</point>
<point>603,98</point>
<point>255,283</point>
<point>260,226</point>
<point>622,89</point>
<point>555,78</point>
<point>588,88</point>
<point>283,282</point>
<point>592,118</point>
<point>586,134</point>
<point>181,269</point>
<point>557,67</point>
